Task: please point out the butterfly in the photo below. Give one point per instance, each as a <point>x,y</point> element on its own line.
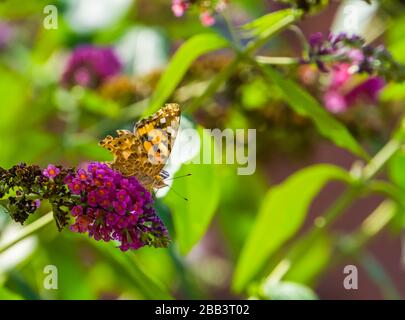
<point>144,151</point>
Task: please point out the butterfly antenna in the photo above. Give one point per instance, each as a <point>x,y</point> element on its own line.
<point>184,175</point>
<point>178,194</point>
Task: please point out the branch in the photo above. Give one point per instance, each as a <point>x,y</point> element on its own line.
<point>29,230</point>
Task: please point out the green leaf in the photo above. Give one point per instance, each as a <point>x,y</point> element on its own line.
<point>282,213</point>
<point>4,210</point>
<point>287,291</point>
<point>396,169</point>
<point>397,46</point>
<point>267,25</point>
<point>72,280</point>
<point>310,264</point>
<point>180,62</point>
<point>6,294</point>
<point>191,218</point>
<point>127,265</point>
<point>306,105</point>
<point>393,92</point>
<point>239,206</point>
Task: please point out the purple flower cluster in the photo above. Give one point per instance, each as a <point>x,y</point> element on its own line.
<point>207,9</point>
<point>51,171</point>
<point>343,91</point>
<point>342,48</point>
<point>23,186</point>
<point>89,66</point>
<point>344,56</point>
<point>114,207</point>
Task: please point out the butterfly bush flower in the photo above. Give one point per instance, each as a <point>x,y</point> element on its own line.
<point>179,7</point>
<point>51,171</point>
<point>207,9</point>
<point>327,51</point>
<point>23,186</point>
<point>114,207</point>
<point>342,57</point>
<point>89,66</point>
<point>342,94</point>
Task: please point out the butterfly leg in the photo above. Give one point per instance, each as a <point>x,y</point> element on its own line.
<point>164,174</point>
<point>159,182</point>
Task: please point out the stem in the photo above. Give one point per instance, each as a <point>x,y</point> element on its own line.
<point>342,203</point>
<point>29,230</point>
<point>277,60</point>
<point>369,228</point>
<point>276,28</point>
<point>231,29</point>
<point>241,55</point>
<point>388,189</point>
<point>380,277</point>
<point>301,37</point>
<point>339,206</point>
<point>381,158</point>
<point>351,245</point>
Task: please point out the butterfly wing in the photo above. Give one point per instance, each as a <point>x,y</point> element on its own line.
<point>144,152</point>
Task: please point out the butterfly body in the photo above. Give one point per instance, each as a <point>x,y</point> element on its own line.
<point>144,152</point>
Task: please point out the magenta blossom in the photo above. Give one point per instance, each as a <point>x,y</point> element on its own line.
<point>90,66</point>
<point>327,51</point>
<point>51,171</point>
<point>114,207</point>
<point>368,90</point>
<point>338,99</point>
<point>179,7</point>
<point>207,9</point>
<point>207,19</point>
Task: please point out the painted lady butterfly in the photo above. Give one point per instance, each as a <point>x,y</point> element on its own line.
<point>144,152</point>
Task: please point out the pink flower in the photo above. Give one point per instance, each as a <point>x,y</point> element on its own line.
<point>51,171</point>
<point>89,66</point>
<point>368,90</point>
<point>179,7</point>
<point>340,75</point>
<point>92,199</point>
<point>77,211</point>
<point>207,19</point>
<point>81,225</point>
<point>334,101</point>
<point>82,175</point>
<point>337,100</point>
<point>105,209</point>
<point>342,93</point>
<point>75,186</point>
<point>37,203</point>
